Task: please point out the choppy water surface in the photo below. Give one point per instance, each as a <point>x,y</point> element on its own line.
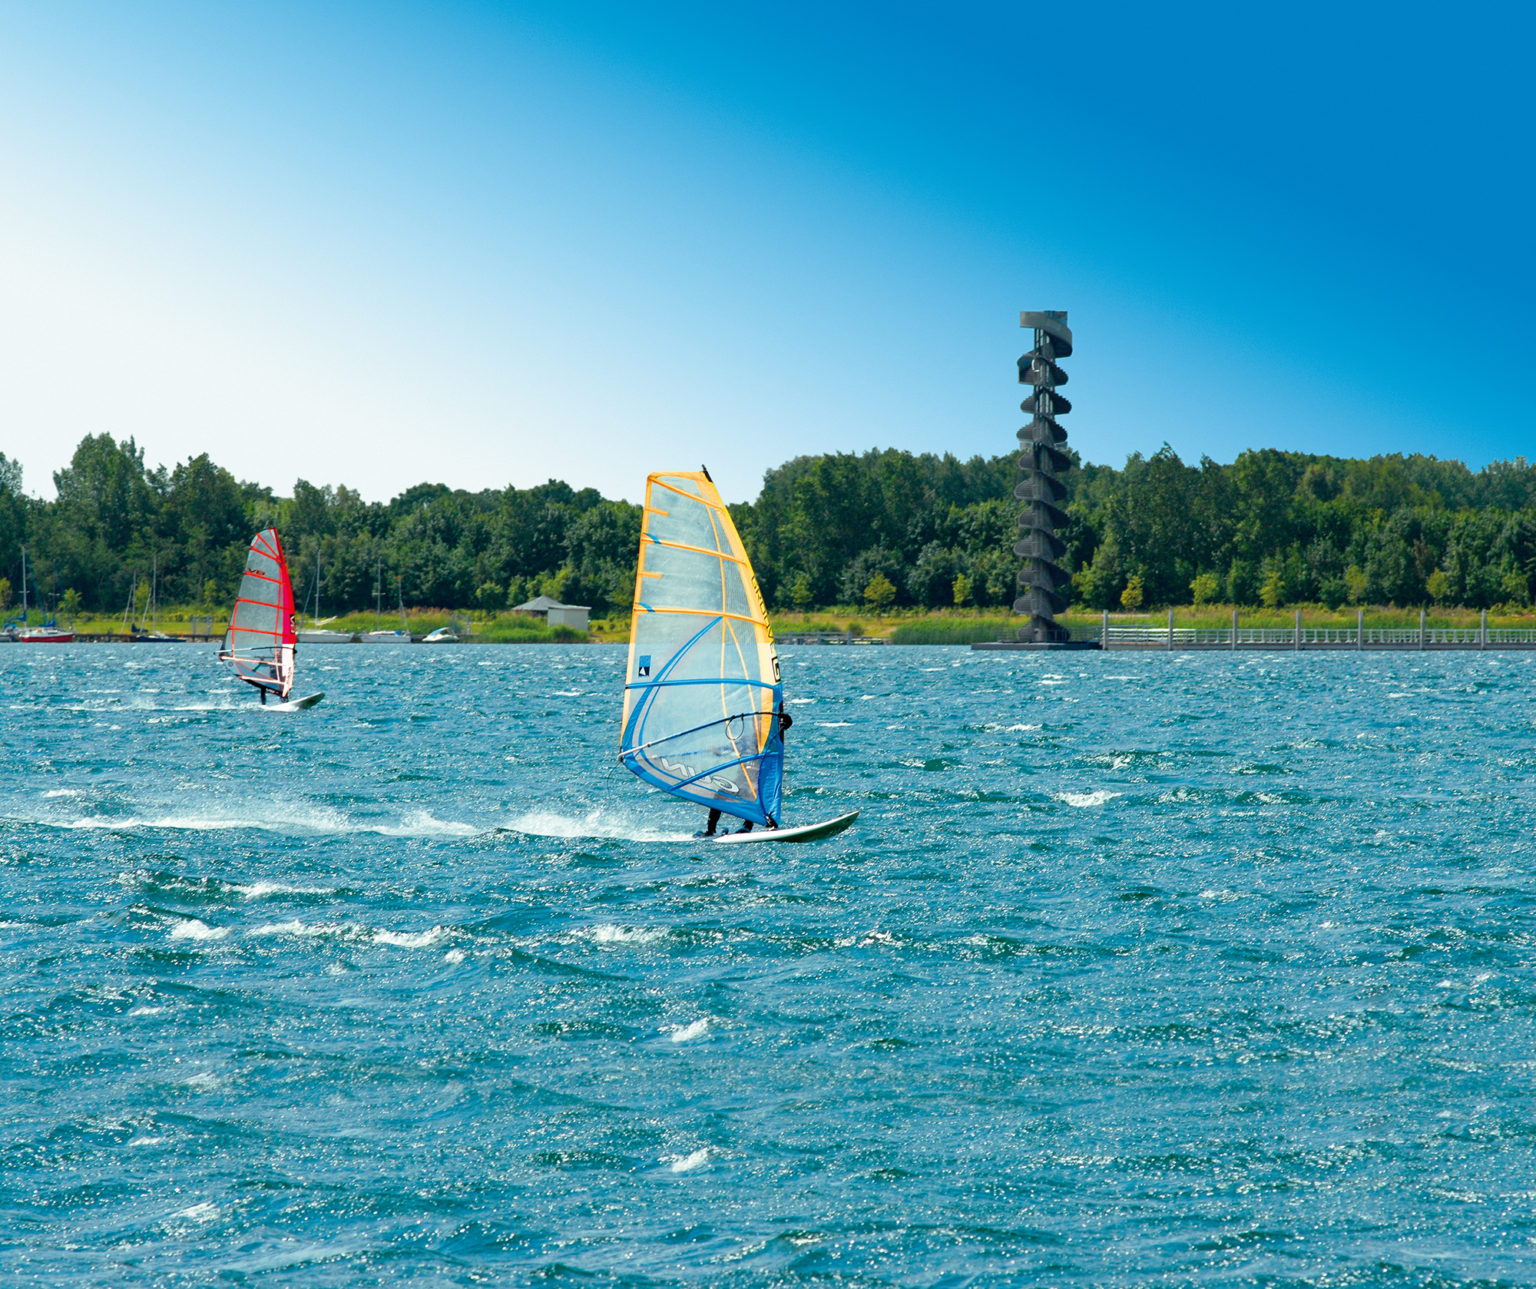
<point>1136,969</point>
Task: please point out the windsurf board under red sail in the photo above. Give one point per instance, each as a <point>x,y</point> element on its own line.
<point>261,640</point>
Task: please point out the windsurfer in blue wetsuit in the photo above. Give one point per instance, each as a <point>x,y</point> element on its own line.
<point>785,721</point>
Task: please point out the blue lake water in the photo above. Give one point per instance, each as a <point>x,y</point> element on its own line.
<point>1137,969</point>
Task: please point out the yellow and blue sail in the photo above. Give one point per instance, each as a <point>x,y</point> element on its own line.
<point>702,692</point>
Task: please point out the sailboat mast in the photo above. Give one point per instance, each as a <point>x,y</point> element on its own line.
<point>24,584</point>
<point>378,593</point>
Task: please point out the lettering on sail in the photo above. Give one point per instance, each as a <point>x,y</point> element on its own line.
<point>716,782</point>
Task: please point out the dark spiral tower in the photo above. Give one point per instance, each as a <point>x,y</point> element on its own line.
<point>1042,462</point>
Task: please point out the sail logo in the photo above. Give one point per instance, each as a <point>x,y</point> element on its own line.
<point>643,665</point>
<point>685,774</point>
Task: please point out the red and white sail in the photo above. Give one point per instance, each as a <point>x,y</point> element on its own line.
<point>262,634</point>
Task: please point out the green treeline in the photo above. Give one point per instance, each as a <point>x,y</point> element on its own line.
<point>888,527</point>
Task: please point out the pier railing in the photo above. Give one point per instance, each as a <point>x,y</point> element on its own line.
<point>1360,636</point>
<point>1147,635</point>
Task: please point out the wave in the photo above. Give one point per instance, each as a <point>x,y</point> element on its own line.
<point>1082,799</point>
<point>353,932</point>
<point>197,929</point>
<point>292,926</point>
<point>608,933</point>
<point>200,1213</point>
<point>687,1163</point>
<point>278,819</point>
<point>687,1033</point>
<point>422,823</point>
<point>410,939</point>
<point>260,890</point>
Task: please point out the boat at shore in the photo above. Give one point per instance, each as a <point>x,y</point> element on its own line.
<point>386,635</point>
<point>49,632</point>
<point>146,629</point>
<point>317,632</point>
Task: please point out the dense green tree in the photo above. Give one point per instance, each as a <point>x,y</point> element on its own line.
<point>1272,526</point>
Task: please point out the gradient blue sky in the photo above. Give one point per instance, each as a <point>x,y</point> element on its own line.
<point>494,243</point>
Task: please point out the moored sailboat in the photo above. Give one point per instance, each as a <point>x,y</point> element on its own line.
<point>386,635</point>
<point>22,632</point>
<point>703,698</point>
<point>316,632</point>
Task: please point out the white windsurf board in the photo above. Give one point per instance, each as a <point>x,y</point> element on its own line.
<point>805,832</point>
<point>296,704</point>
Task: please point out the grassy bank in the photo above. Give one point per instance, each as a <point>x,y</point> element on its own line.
<point>908,627</point>
<point>483,628</point>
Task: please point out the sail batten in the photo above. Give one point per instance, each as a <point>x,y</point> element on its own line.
<point>702,690</point>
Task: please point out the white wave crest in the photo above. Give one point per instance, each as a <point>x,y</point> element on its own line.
<point>410,939</point>
<point>687,1163</point>
<point>1081,799</point>
<point>687,1033</point>
<point>305,929</point>
<point>197,929</point>
<point>608,933</point>
<point>259,890</point>
<point>422,823</point>
<point>204,1212</point>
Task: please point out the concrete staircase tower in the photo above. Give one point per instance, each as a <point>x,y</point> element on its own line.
<point>1043,582</point>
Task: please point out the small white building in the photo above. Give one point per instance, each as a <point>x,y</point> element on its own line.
<point>555,613</point>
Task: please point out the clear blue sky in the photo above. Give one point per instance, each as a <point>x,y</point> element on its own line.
<point>494,243</point>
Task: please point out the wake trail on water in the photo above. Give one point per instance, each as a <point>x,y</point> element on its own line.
<point>597,823</point>
<point>274,818</point>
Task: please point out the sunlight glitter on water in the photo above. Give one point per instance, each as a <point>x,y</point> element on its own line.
<point>420,986</point>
